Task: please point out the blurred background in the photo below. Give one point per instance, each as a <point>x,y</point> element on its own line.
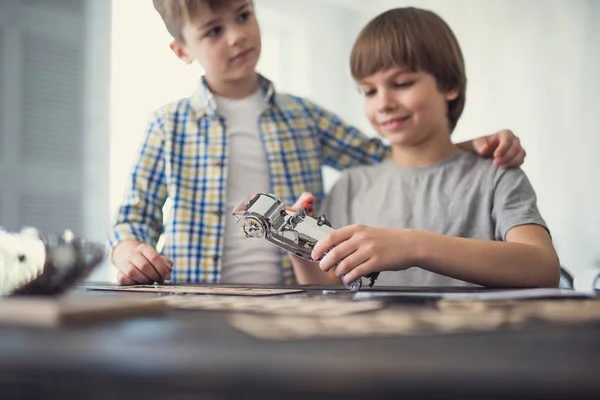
<point>79,78</point>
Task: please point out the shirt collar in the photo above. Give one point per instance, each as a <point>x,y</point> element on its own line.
<point>203,100</point>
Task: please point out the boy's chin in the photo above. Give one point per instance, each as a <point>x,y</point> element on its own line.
<point>242,77</point>
<point>241,74</point>
<point>398,138</point>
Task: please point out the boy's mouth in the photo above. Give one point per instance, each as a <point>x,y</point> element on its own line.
<point>241,55</point>
<point>393,124</point>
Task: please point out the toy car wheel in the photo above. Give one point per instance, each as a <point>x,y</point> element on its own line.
<point>254,228</point>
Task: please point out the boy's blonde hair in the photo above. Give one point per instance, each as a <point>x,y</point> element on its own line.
<point>416,39</point>
<point>175,13</point>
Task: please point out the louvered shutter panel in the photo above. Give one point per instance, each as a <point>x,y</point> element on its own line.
<point>69,6</point>
<point>43,179</point>
<point>2,100</point>
<point>7,200</point>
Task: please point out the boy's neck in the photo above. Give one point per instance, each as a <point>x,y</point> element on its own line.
<point>423,154</point>
<point>238,89</point>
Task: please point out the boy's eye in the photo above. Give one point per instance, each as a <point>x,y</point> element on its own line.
<point>243,16</point>
<point>369,92</point>
<point>214,31</point>
<point>403,84</point>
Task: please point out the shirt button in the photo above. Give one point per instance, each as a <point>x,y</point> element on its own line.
<point>218,212</point>
<point>215,258</point>
<point>219,164</point>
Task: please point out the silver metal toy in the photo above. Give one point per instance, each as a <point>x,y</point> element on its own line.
<point>34,264</point>
<point>265,216</point>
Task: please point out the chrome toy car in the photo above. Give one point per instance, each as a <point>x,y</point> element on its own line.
<point>265,216</point>
<point>33,264</point>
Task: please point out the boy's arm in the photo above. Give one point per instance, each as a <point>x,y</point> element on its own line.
<point>526,259</point>
<point>139,217</point>
<point>345,146</point>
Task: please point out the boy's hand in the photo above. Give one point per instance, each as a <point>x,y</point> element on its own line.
<point>140,263</point>
<point>306,200</point>
<point>361,250</point>
<point>503,146</point>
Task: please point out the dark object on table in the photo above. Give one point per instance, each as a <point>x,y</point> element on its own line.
<point>36,264</point>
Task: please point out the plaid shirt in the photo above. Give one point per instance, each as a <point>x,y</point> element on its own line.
<point>184,158</point>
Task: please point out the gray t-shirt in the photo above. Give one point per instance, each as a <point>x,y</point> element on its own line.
<point>463,195</point>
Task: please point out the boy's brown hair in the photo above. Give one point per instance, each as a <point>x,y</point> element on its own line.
<point>175,13</point>
<point>417,39</point>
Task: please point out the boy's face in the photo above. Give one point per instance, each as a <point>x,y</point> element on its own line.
<point>226,43</point>
<point>406,107</point>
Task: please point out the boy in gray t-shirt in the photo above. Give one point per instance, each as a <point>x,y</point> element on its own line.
<point>461,196</point>
<point>431,215</point>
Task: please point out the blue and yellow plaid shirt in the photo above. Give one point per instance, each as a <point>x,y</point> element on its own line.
<point>184,158</point>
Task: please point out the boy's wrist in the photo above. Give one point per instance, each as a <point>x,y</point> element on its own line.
<point>417,243</point>
<point>122,250</point>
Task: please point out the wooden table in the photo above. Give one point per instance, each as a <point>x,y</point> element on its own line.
<point>196,354</point>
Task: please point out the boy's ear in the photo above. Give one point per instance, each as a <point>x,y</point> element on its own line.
<point>451,94</point>
<point>180,52</point>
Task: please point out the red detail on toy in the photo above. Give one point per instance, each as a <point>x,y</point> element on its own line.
<point>308,205</point>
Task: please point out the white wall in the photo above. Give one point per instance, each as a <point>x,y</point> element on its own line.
<point>532,66</point>
<point>328,33</point>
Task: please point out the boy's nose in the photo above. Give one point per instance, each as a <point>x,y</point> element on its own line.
<point>236,36</point>
<point>386,101</point>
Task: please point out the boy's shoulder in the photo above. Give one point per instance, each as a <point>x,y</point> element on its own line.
<point>172,107</point>
<point>471,162</point>
<point>468,161</point>
<point>483,172</point>
<point>468,165</point>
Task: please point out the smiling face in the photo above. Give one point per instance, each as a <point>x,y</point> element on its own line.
<point>225,42</point>
<point>407,108</point>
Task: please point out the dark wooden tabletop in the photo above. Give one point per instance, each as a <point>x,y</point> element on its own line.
<point>196,354</point>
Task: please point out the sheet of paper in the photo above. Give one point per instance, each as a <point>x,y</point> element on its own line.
<point>519,294</point>
<point>307,306</point>
<point>484,295</point>
<point>215,290</point>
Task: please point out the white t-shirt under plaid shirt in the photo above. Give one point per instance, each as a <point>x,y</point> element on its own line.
<point>185,158</point>
<point>246,260</point>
